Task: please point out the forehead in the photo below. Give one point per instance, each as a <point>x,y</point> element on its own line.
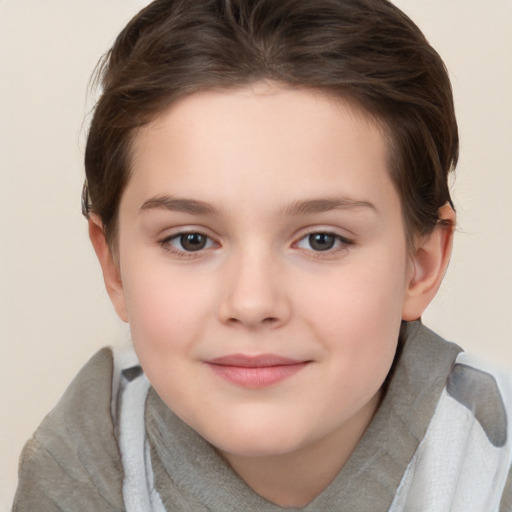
<point>265,139</point>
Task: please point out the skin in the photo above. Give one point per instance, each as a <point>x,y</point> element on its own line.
<point>256,171</point>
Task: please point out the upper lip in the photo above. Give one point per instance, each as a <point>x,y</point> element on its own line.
<point>258,361</point>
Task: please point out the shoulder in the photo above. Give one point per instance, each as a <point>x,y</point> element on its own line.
<point>72,462</point>
<point>466,452</point>
<point>484,391</point>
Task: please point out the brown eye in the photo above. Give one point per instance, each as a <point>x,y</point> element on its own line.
<point>321,241</point>
<point>192,241</point>
<point>187,243</point>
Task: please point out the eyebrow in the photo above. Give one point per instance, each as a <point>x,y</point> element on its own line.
<point>304,207</point>
<point>326,204</point>
<point>176,204</point>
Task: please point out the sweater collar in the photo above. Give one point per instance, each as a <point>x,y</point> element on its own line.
<point>190,475</point>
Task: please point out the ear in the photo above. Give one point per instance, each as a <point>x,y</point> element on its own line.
<point>109,266</point>
<point>428,265</point>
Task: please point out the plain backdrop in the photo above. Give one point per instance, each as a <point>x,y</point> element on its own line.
<point>54,312</point>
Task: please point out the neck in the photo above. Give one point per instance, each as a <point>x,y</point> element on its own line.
<point>294,479</point>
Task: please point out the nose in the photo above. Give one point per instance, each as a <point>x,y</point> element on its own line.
<point>255,293</point>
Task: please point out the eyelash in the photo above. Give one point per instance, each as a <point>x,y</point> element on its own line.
<point>166,244</point>
<point>343,243</point>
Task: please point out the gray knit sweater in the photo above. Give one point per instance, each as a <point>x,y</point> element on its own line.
<point>440,441</point>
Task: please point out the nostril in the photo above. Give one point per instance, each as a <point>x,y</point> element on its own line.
<point>271,320</point>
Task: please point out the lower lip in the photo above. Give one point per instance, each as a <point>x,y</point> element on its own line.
<point>258,377</point>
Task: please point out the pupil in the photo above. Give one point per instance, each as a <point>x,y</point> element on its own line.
<point>321,241</point>
<point>193,241</point>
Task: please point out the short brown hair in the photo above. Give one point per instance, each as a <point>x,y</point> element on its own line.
<point>366,51</point>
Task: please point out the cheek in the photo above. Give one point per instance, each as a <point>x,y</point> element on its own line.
<point>166,310</point>
<point>363,296</point>
<point>357,315</point>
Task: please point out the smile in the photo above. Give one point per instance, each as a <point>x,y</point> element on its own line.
<point>255,371</point>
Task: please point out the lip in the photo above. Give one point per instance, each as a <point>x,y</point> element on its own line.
<point>255,371</point>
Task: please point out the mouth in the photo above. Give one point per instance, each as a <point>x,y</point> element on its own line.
<point>255,371</point>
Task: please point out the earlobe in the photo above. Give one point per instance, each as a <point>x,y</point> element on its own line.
<point>109,267</point>
<point>428,265</point>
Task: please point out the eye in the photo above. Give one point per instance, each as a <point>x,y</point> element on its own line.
<point>188,242</point>
<point>323,241</point>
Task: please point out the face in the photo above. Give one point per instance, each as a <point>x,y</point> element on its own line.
<point>263,266</point>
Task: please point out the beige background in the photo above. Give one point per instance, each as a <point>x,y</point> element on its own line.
<point>54,312</point>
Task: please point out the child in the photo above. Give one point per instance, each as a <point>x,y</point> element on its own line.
<point>267,196</point>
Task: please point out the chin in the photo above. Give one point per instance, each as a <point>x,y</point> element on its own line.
<point>254,443</point>
<point>245,449</point>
